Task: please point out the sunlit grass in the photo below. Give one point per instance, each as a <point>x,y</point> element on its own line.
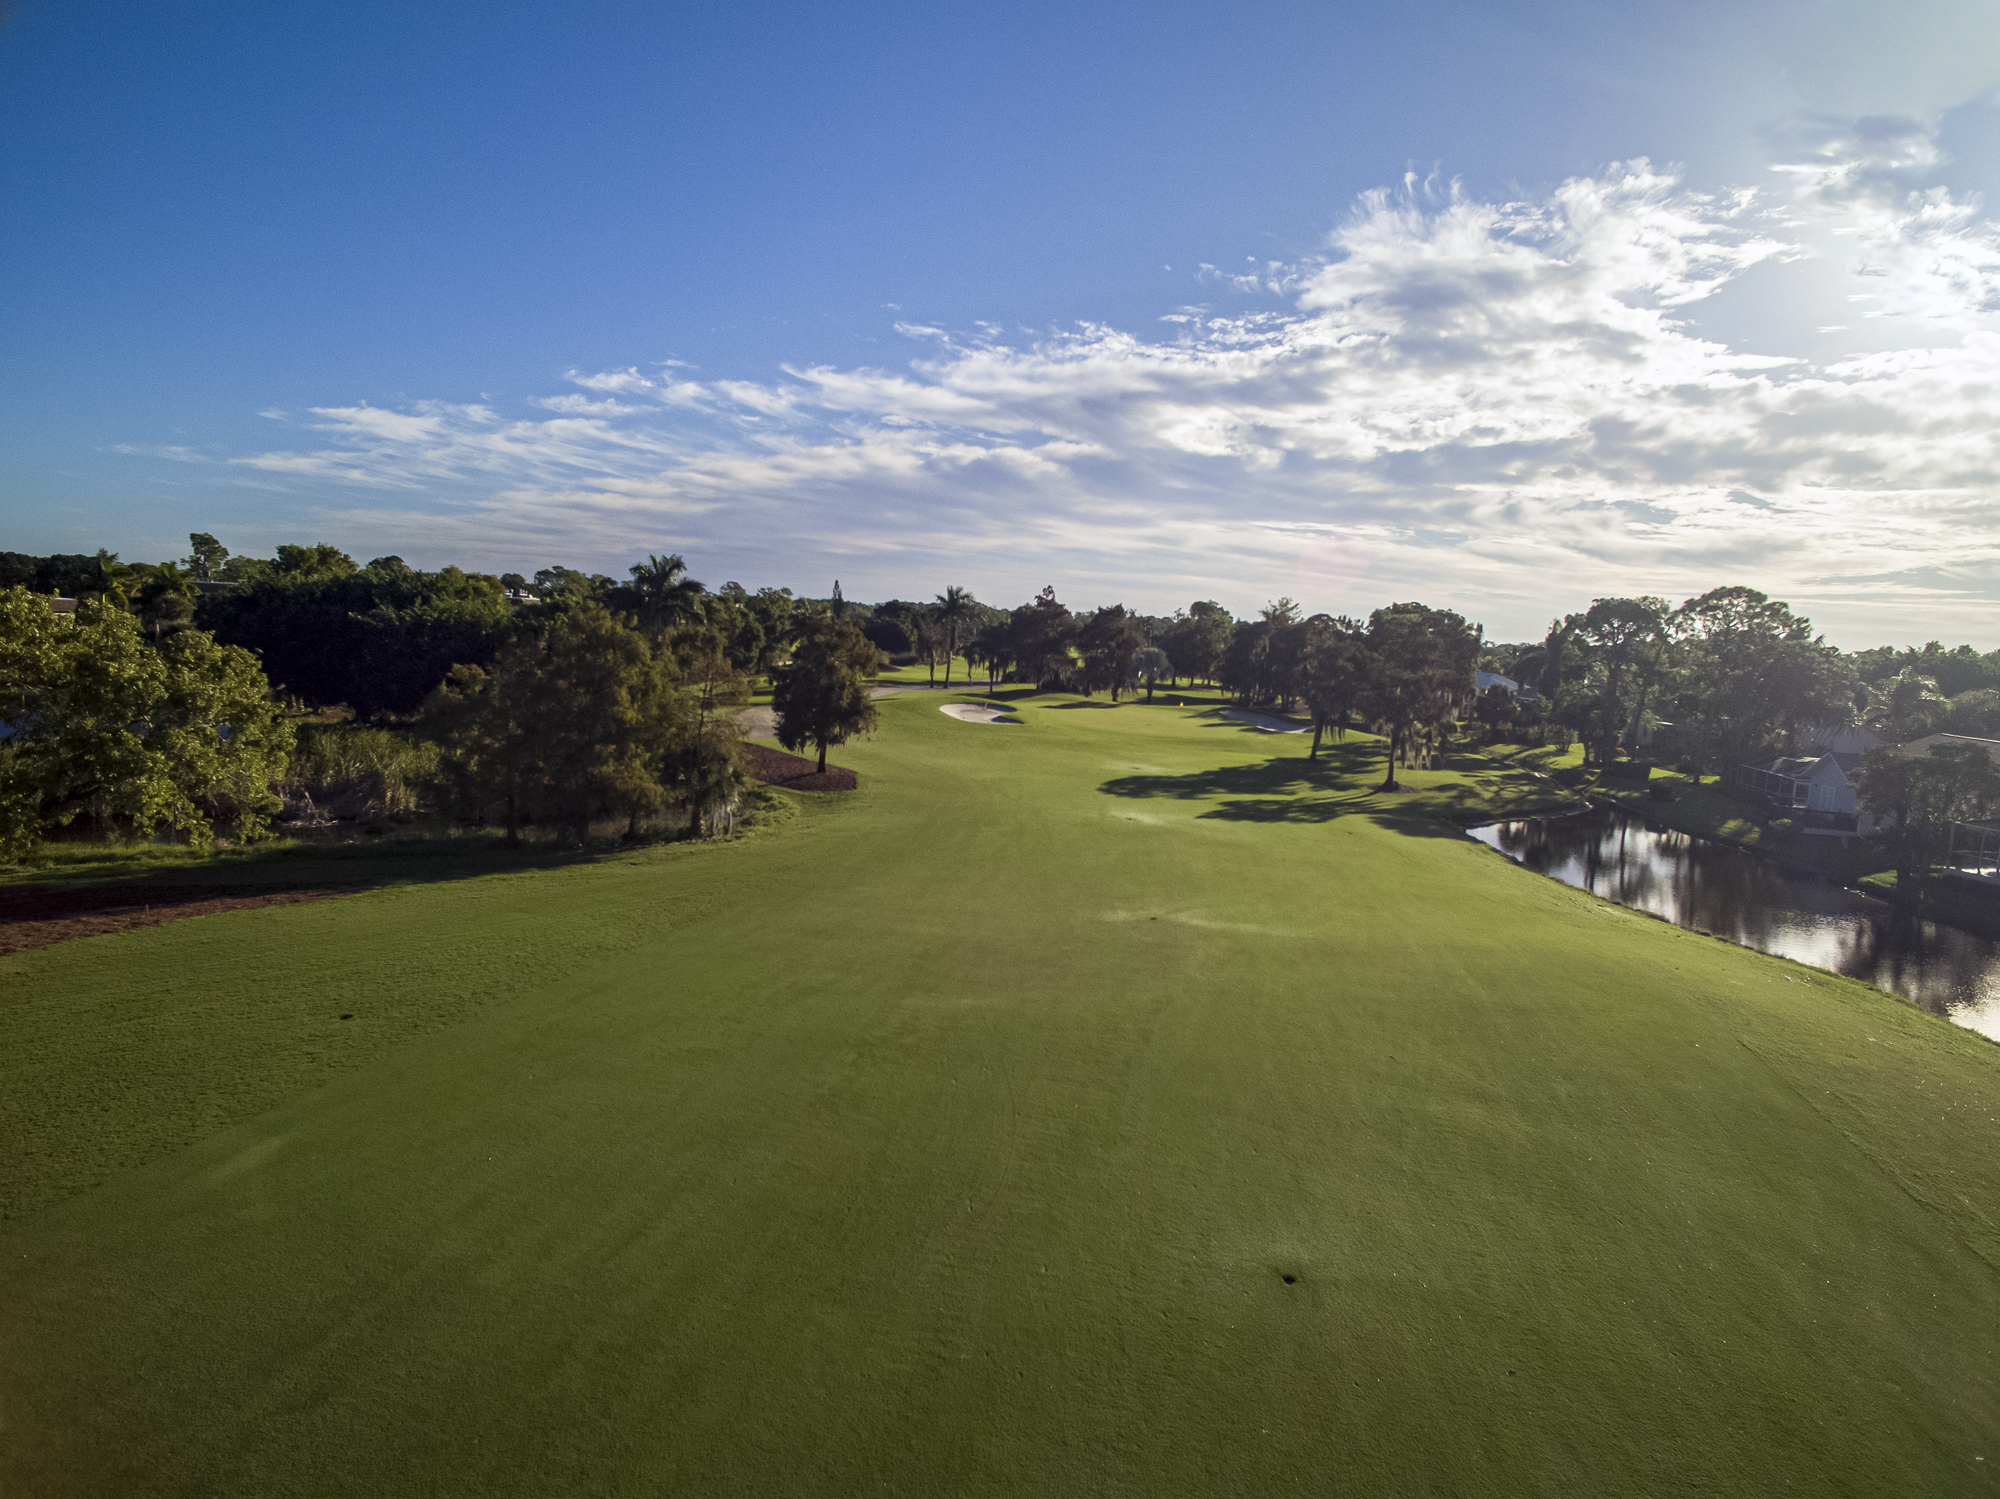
<point>1111,1104</point>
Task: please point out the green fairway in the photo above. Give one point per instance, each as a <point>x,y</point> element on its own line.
<point>1107,1104</point>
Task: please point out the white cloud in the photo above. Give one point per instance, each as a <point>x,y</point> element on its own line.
<point>171,452</point>
<point>582,406</point>
<point>1496,405</point>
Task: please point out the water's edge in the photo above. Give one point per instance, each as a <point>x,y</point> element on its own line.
<point>1734,893</point>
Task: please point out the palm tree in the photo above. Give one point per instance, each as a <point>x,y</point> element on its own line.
<point>1909,704</point>
<point>109,579</point>
<point>954,611</point>
<point>667,594</point>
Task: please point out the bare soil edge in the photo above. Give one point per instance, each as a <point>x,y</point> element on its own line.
<point>41,916</point>
<point>794,772</point>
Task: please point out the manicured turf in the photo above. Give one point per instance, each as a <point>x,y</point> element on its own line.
<point>1105,1105</point>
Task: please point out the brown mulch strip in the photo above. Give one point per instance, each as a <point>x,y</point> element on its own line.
<point>794,772</point>
<point>34,916</point>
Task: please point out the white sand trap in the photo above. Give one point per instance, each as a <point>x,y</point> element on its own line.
<point>976,713</point>
<point>1263,723</point>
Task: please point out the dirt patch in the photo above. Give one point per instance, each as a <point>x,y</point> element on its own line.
<point>794,772</point>
<point>41,916</point>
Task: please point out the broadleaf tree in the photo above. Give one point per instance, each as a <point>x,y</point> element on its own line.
<point>107,727</point>
<point>1421,671</point>
<point>1924,795</point>
<point>821,696</point>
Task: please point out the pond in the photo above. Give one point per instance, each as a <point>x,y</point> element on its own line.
<point>1696,883</point>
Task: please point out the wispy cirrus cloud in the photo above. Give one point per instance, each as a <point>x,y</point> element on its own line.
<point>1502,405</point>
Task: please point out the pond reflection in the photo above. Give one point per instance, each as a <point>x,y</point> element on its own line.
<point>1695,883</point>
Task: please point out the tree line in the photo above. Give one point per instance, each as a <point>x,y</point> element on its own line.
<point>567,696</point>
<point>553,703</point>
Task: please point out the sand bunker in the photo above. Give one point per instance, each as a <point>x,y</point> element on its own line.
<point>1264,724</point>
<point>977,713</point>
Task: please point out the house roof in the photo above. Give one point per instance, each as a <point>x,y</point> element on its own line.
<point>1930,742</point>
<point>1812,767</point>
<point>1847,739</point>
<point>1791,765</point>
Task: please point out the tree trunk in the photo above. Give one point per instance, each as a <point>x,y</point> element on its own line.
<point>513,823</point>
<point>1638,712</point>
<point>1395,745</point>
<point>1319,726</point>
<point>822,757</point>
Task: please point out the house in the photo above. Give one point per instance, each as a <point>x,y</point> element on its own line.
<point>1481,680</point>
<point>1817,789</point>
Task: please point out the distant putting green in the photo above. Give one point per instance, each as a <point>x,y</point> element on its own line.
<point>1108,1105</point>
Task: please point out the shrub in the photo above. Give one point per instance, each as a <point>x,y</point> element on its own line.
<point>331,756</point>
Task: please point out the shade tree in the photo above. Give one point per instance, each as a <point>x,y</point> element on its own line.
<point>109,728</point>
<point>1106,643</point>
<point>1921,796</point>
<point>1420,674</point>
<point>1755,675</point>
<point>580,721</point>
<point>821,696</point>
<point>1197,639</point>
<point>1043,639</point>
<point>1334,674</point>
<point>1149,665</point>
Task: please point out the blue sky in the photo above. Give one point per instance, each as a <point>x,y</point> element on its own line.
<point>1495,306</point>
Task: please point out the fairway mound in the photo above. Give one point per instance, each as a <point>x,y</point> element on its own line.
<point>1263,723</point>
<point>977,713</point>
<point>41,916</point>
<point>794,772</point>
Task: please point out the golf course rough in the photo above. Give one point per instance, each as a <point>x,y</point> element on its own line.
<point>1110,1106</point>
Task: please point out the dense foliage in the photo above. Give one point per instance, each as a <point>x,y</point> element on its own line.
<point>1721,679</point>
<point>378,638</point>
<point>104,726</point>
<point>563,728</point>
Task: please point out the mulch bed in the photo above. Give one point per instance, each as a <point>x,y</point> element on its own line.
<point>794,772</point>
<point>34,916</point>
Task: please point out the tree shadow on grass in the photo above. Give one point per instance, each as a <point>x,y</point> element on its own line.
<point>275,867</point>
<point>1344,782</point>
